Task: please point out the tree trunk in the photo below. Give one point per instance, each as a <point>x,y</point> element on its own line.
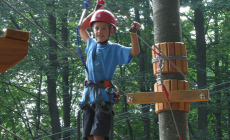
<point>201,67</point>
<point>51,80</point>
<point>228,99</point>
<point>167,28</point>
<point>78,125</point>
<point>218,104</point>
<point>38,105</point>
<point>145,110</point>
<point>65,79</point>
<point>122,73</point>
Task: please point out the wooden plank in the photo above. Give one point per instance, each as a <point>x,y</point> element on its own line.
<point>160,105</point>
<point>175,106</point>
<point>11,52</point>
<point>184,62</point>
<point>186,85</point>
<point>178,53</point>
<point>187,104</point>
<point>167,84</point>
<point>171,52</point>
<point>164,50</point>
<point>156,63</point>
<point>187,107</point>
<point>181,87</point>
<point>174,96</point>
<point>16,34</point>
<point>157,104</point>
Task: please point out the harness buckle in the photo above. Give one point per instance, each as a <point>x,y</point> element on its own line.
<point>103,103</point>
<point>104,84</point>
<point>87,83</point>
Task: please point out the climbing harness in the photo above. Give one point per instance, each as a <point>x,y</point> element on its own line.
<point>101,104</point>
<point>165,57</point>
<point>105,107</point>
<point>105,16</point>
<point>100,4</point>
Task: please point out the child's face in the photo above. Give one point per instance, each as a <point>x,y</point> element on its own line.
<point>101,31</point>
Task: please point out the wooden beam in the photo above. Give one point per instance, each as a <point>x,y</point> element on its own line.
<point>12,51</point>
<point>16,34</point>
<point>174,96</point>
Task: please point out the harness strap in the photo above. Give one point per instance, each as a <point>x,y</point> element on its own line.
<point>102,102</point>
<point>102,84</point>
<point>86,101</point>
<point>87,4</point>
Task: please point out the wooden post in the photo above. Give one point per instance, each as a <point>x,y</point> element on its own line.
<point>167,28</point>
<point>168,38</point>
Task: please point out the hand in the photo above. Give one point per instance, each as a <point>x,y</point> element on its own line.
<point>100,5</point>
<point>134,27</point>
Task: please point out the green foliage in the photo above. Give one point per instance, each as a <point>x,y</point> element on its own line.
<point>23,88</point>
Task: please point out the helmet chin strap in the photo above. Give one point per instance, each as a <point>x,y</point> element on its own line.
<point>104,42</point>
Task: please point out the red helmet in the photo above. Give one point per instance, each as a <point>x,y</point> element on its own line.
<point>104,16</point>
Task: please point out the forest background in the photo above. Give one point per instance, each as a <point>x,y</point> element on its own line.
<point>39,96</point>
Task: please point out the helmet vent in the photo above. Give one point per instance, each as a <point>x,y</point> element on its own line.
<point>98,15</point>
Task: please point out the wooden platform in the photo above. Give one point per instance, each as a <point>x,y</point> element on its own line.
<point>13,48</point>
<point>174,96</point>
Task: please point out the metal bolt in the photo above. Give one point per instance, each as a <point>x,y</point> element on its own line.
<point>202,96</point>
<point>130,99</point>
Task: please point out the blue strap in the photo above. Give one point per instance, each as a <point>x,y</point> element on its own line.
<point>87,4</point>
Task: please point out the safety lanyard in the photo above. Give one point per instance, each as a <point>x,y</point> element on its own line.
<point>87,4</point>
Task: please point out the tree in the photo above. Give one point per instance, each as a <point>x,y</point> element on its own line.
<point>201,64</point>
<point>51,77</point>
<point>167,28</point>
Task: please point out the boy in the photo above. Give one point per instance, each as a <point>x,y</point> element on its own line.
<point>102,60</point>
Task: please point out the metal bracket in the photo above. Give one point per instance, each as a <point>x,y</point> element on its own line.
<point>130,100</point>
<point>202,96</point>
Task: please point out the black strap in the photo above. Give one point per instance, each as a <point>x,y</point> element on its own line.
<point>97,93</point>
<point>102,102</point>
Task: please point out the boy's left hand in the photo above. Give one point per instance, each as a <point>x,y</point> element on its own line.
<point>134,27</point>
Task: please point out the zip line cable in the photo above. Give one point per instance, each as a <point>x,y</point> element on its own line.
<point>11,132</point>
<point>123,23</point>
<point>46,32</point>
<point>165,90</point>
<point>41,29</point>
<point>228,82</point>
<point>161,53</point>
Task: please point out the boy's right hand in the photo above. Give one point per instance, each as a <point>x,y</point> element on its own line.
<point>100,5</point>
<point>134,27</point>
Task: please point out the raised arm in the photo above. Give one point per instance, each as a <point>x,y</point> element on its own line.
<point>135,43</point>
<point>83,28</point>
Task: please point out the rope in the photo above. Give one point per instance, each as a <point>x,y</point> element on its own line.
<point>82,58</point>
<point>11,133</point>
<point>161,53</point>
<point>70,129</point>
<point>87,4</point>
<point>41,29</point>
